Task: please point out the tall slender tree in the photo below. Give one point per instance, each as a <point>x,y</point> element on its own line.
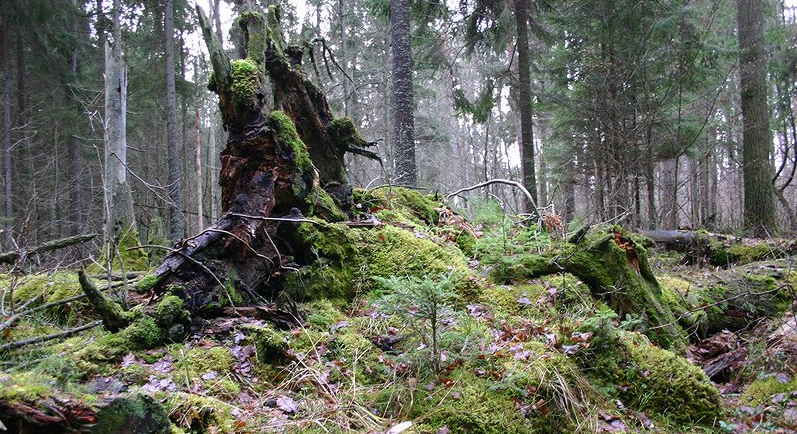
<point>759,202</point>
<point>119,215</point>
<point>524,102</point>
<point>403,118</point>
<point>174,178</point>
<point>5,128</point>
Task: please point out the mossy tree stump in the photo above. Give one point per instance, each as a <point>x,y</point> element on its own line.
<point>283,160</point>
<point>615,267</point>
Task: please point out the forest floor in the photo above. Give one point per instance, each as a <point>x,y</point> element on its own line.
<point>423,323</point>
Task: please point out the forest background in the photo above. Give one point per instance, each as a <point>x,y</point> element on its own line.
<point>634,106</point>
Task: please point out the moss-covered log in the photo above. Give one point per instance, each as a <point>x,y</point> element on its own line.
<point>718,249</point>
<point>615,267</point>
<point>283,160</point>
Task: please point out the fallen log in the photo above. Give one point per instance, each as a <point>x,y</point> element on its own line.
<point>719,249</point>
<point>12,257</point>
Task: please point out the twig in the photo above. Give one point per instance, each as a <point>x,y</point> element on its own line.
<point>21,312</point>
<point>45,338</point>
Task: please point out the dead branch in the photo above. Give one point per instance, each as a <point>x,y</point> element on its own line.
<point>12,257</point>
<point>45,338</point>
<point>111,313</point>
<point>19,313</point>
<point>515,184</point>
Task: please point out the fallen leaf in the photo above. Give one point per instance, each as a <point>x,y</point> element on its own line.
<point>403,426</point>
<point>287,404</point>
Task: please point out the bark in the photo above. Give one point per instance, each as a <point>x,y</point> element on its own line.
<point>759,202</point>
<point>198,154</point>
<point>5,126</point>
<point>174,179</point>
<point>273,166</point>
<point>403,122</point>
<point>524,102</point>
<point>119,215</point>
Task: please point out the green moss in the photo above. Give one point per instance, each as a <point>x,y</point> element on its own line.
<point>172,317</point>
<point>761,391</point>
<point>322,205</point>
<point>740,253</point>
<point>286,132</point>
<point>652,379</point>
<point>345,134</point>
<point>25,386</point>
<point>391,251</point>
<point>194,362</point>
<point>137,413</point>
<point>684,299</point>
<point>198,413</point>
<point>256,44</point>
<point>147,283</point>
<point>246,81</point>
<point>322,314</point>
<point>143,333</point>
<point>409,206</point>
<point>271,343</point>
<point>52,287</point>
<point>478,409</point>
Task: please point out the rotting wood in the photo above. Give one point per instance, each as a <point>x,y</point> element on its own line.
<point>112,315</point>
<point>284,150</point>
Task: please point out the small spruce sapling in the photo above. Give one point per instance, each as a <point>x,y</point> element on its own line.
<point>422,305</point>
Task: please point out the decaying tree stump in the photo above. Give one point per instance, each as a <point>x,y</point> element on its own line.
<point>280,163</point>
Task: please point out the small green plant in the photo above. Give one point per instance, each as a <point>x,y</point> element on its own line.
<point>422,305</point>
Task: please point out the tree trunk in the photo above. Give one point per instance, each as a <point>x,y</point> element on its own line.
<point>174,179</point>
<point>275,168</point>
<point>403,122</point>
<point>119,215</point>
<point>524,103</point>
<point>198,154</point>
<point>5,127</point>
<point>759,202</point>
